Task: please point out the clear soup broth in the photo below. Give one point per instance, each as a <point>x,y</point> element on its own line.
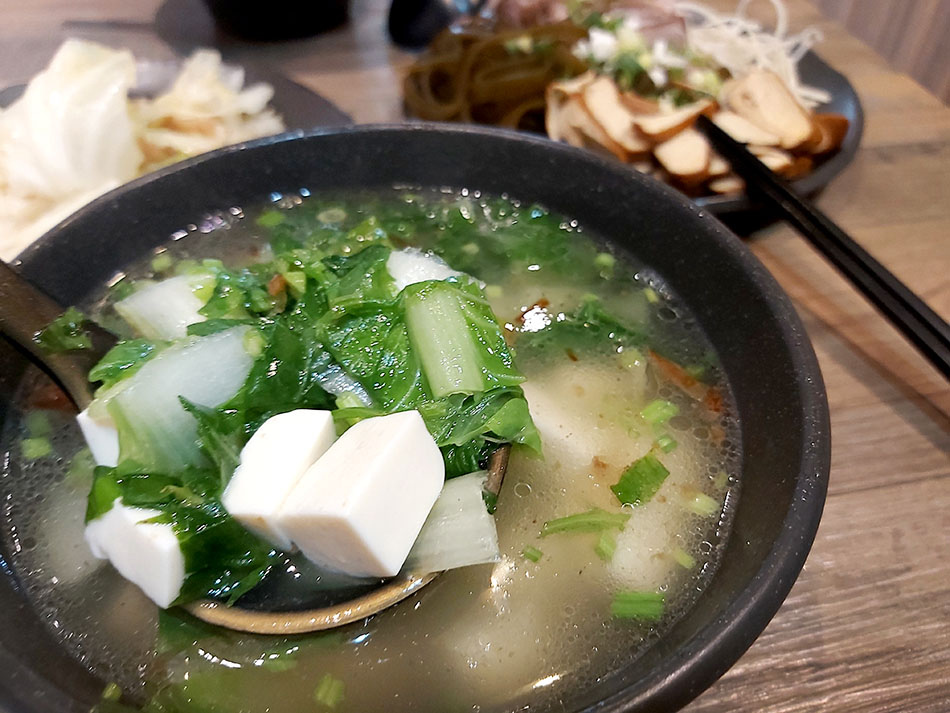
<point>531,632</point>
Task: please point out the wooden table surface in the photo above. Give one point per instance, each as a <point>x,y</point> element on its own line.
<point>867,626</point>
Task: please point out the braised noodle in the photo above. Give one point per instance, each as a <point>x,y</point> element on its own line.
<point>478,74</point>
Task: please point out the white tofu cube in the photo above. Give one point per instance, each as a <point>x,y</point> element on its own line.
<point>272,463</point>
<point>101,437</point>
<point>146,554</point>
<point>411,265</point>
<point>360,507</point>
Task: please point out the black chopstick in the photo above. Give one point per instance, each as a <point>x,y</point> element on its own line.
<point>923,327</point>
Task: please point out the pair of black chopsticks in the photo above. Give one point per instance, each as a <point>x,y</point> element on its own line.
<point>923,327</point>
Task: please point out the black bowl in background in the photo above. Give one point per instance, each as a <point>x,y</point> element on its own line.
<point>760,342</point>
<point>272,20</point>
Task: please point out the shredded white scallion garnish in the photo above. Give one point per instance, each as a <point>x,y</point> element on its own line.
<point>742,45</point>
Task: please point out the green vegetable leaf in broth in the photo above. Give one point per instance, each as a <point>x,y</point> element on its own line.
<point>460,344</point>
<point>65,333</point>
<point>640,481</point>
<point>371,343</point>
<point>123,360</point>
<point>222,559</point>
<point>590,329</point>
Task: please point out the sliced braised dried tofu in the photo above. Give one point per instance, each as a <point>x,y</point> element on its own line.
<point>602,100</point>
<point>686,156</point>
<point>718,166</point>
<point>575,116</point>
<point>743,130</point>
<point>776,159</point>
<point>560,91</point>
<point>660,127</point>
<point>800,166</point>
<point>762,98</point>
<point>833,128</point>
<point>727,184</point>
<point>558,121</point>
<point>639,105</point>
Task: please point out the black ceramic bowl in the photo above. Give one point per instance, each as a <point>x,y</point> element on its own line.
<point>760,341</point>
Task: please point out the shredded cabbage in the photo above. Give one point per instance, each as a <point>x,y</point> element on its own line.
<point>75,134</point>
<point>741,45</point>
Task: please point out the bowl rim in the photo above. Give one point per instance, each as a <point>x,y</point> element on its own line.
<point>705,656</point>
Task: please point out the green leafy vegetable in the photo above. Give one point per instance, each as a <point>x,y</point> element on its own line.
<point>123,360</point>
<point>646,606</point>
<point>594,520</point>
<point>222,559</point>
<point>454,331</point>
<point>65,333</point>
<point>640,480</point>
<point>590,329</point>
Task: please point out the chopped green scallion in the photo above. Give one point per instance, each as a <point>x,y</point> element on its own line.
<point>666,443</point>
<point>683,558</point>
<point>595,520</point>
<point>531,553</point>
<point>35,448</point>
<point>640,480</point>
<point>659,411</point>
<point>721,480</point>
<point>647,606</point>
<point>271,218</point>
<point>111,692</point>
<point>702,504</point>
<point>81,467</point>
<point>162,262</point>
<point>329,691</point>
<point>605,263</point>
<point>296,281</point>
<point>37,424</point>
<point>606,546</point>
<point>630,358</point>
<point>651,295</point>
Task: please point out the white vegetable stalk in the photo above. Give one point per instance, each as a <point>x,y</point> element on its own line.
<point>154,428</point>
<point>164,310</point>
<point>459,530</point>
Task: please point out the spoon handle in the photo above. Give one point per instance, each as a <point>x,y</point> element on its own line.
<point>24,312</point>
<point>920,324</point>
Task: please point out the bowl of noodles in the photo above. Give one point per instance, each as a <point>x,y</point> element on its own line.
<point>630,313</point>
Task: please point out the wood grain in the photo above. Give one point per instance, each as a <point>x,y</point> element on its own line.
<point>911,35</point>
<point>867,626</point>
